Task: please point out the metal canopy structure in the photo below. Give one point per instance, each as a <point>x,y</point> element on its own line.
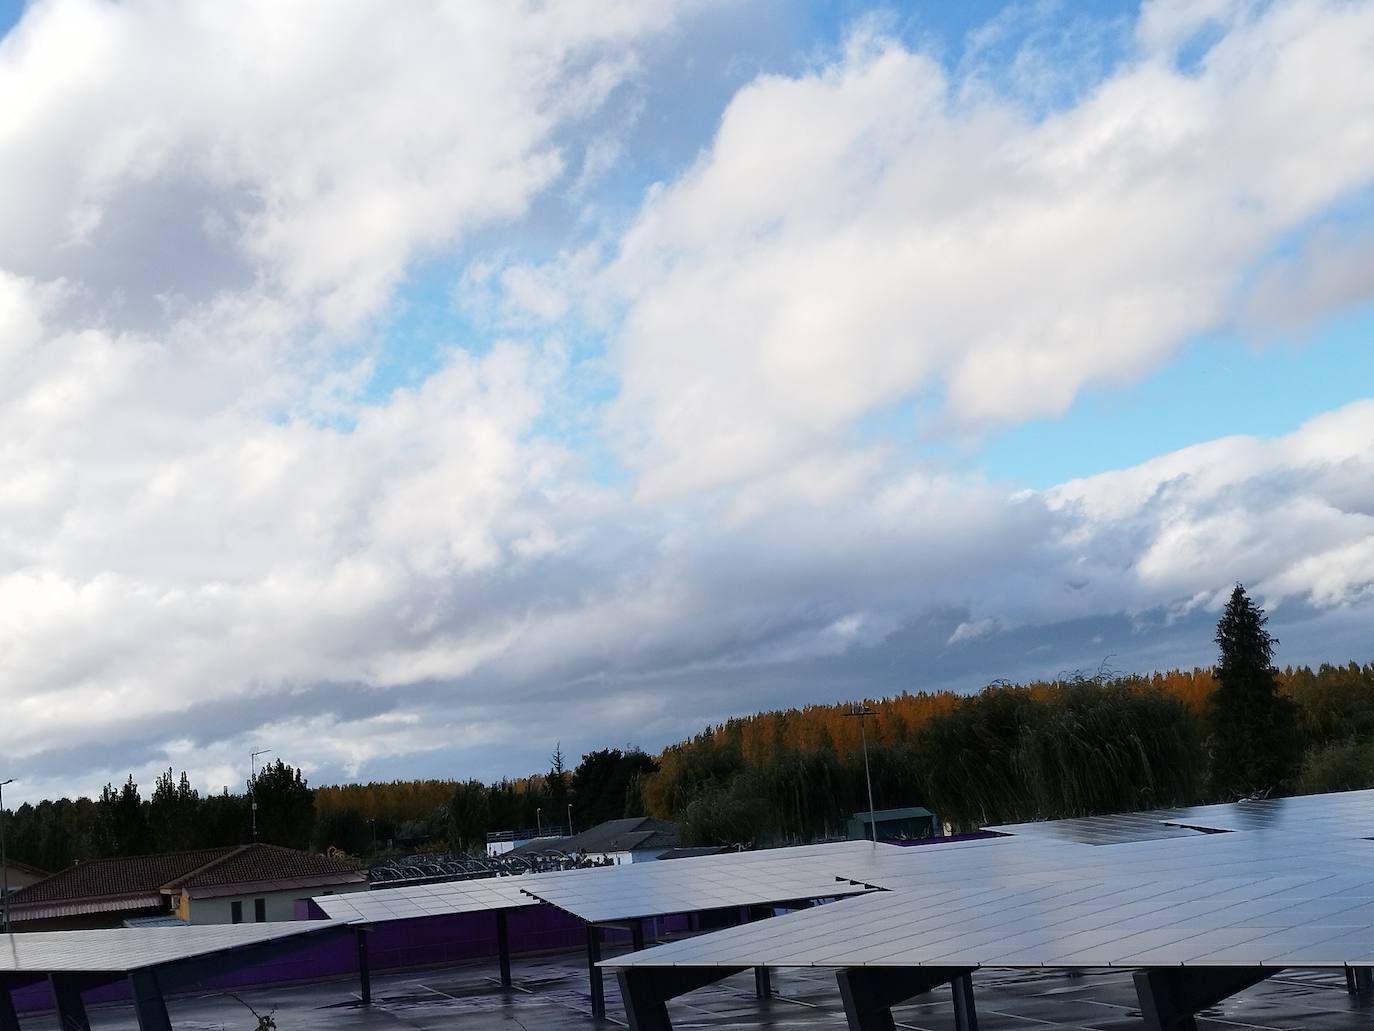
<point>495,895</point>
<point>421,900</point>
<point>1245,890</point>
<point>617,894</point>
<point>628,894</point>
<point>152,959</point>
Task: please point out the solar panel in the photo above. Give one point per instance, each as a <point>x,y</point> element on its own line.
<point>123,949</point>
<point>602,894</point>
<point>1291,884</point>
<point>710,882</point>
<point>421,900</point>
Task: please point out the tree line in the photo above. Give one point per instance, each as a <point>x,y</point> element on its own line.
<point>1070,747</point>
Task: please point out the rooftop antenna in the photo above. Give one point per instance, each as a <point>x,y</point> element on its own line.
<point>253,786</point>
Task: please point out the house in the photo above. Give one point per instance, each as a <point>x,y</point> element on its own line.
<point>20,875</point>
<point>631,840</point>
<point>234,884</point>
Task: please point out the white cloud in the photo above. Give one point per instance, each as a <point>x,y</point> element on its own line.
<point>871,231</point>
<point>207,538</point>
<point>310,150</point>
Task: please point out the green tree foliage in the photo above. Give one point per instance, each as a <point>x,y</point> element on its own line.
<point>602,782</point>
<point>556,789</point>
<point>469,816</point>
<point>344,829</point>
<point>121,827</point>
<point>1340,766</point>
<point>173,813</point>
<point>286,807</point>
<point>1253,733</point>
<point>1076,749</point>
<point>1008,753</point>
<point>224,819</point>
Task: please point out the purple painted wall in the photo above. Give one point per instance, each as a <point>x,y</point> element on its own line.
<point>399,944</point>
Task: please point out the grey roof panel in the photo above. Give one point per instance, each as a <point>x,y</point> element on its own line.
<point>123,949</point>
<point>1286,884</point>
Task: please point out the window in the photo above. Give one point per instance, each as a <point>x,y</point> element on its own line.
<point>260,910</point>
<point>236,912</point>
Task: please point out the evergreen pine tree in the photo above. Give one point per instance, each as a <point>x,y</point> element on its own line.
<point>1253,727</point>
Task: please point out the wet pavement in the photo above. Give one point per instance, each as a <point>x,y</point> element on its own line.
<point>552,993</point>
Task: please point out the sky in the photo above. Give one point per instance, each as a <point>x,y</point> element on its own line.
<point>410,389</point>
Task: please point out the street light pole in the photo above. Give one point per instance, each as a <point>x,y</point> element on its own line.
<point>570,820</point>
<point>539,821</point>
<point>253,786</point>
<point>863,712</point>
<point>4,863</point>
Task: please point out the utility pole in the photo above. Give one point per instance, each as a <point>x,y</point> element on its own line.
<point>253,786</point>
<point>862,712</point>
<point>4,862</point>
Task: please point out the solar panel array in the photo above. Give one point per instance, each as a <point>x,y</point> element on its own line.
<point>422,900</point>
<point>626,892</point>
<point>709,882</point>
<point>1289,882</point>
<point>123,949</point>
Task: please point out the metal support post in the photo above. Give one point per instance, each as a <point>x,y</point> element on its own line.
<point>965,1013</point>
<point>1171,996</point>
<point>646,991</point>
<point>67,1001</point>
<point>149,1005</point>
<point>9,1020</point>
<point>594,972</point>
<point>763,983</point>
<point>636,935</point>
<point>1359,979</point>
<point>364,967</point>
<point>503,947</point>
<point>869,993</point>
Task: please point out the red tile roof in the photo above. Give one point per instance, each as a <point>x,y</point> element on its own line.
<point>142,880</point>
<point>113,878</point>
<point>253,863</point>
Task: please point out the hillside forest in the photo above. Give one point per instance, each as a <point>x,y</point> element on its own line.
<point>1070,747</point>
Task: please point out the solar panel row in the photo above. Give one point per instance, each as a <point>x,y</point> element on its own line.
<point>1290,885</point>
<point>125,949</point>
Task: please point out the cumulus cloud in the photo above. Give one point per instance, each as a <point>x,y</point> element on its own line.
<point>874,231</point>
<point>306,148</point>
<point>211,537</point>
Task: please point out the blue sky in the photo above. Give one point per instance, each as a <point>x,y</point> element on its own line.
<point>370,397</point>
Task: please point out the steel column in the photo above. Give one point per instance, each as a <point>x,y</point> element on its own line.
<point>869,993</point>
<point>965,1013</point>
<point>594,972</point>
<point>763,983</point>
<point>67,1001</point>
<point>364,967</point>
<point>1171,996</point>
<point>149,1005</point>
<point>646,991</point>
<point>9,1020</point>
<point>503,947</point>
<point>636,935</point>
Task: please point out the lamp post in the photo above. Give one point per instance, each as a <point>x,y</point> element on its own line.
<point>863,712</point>
<point>4,863</point>
<point>253,786</point>
<point>570,820</point>
<point>538,821</point>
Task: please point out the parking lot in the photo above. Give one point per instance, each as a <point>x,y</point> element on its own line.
<point>551,992</point>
